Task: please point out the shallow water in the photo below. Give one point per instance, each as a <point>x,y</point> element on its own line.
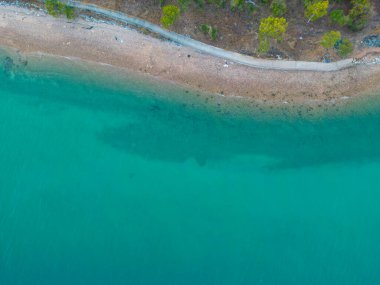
<point>105,181</point>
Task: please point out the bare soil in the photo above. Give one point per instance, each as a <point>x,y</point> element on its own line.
<point>238,29</point>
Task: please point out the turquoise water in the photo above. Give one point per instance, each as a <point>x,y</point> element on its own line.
<point>141,183</point>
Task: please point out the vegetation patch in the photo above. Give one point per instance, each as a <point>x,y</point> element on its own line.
<point>359,14</point>
<point>271,29</point>
<point>338,17</point>
<point>278,8</point>
<point>170,13</point>
<point>332,39</point>
<point>212,32</point>
<point>343,47</point>
<point>315,9</point>
<point>56,9</point>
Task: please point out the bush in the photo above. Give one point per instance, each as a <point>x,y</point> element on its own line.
<point>69,12</point>
<point>359,14</point>
<point>344,47</point>
<point>264,45</point>
<point>56,9</point>
<point>170,14</point>
<point>330,38</point>
<point>210,31</point>
<point>271,28</point>
<point>219,3</point>
<point>200,3</point>
<point>316,10</point>
<point>237,4</point>
<point>278,7</point>
<point>337,17</point>
<point>184,4</point>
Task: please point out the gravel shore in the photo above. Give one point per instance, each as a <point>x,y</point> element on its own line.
<point>32,31</point>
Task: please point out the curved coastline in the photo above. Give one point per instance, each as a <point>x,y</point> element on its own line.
<point>32,31</point>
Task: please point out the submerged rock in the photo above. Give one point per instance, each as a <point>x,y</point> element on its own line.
<point>372,41</point>
<point>8,65</point>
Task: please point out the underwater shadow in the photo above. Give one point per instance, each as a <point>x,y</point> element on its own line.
<point>287,144</point>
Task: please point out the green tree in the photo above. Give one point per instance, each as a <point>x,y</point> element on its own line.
<point>316,10</point>
<point>337,17</point>
<point>271,28</point>
<point>330,38</point>
<point>56,9</point>
<point>278,7</point>
<point>359,14</point>
<point>170,14</point>
<point>344,47</point>
<point>237,4</point>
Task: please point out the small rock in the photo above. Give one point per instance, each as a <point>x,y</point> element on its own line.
<point>292,44</point>
<point>8,65</point>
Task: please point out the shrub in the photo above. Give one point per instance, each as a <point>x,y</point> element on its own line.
<point>184,4</point>
<point>344,47</point>
<point>212,32</point>
<point>170,14</point>
<point>264,45</point>
<point>237,4</point>
<point>56,9</point>
<point>69,12</point>
<point>359,14</point>
<point>219,3</point>
<point>278,7</point>
<point>330,38</point>
<point>200,3</point>
<point>271,28</point>
<point>337,17</point>
<point>316,10</point>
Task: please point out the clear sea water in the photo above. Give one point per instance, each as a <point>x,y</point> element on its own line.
<point>110,181</point>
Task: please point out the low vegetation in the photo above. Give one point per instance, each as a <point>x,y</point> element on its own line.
<point>272,29</point>
<point>56,9</point>
<point>333,40</point>
<point>210,31</point>
<point>315,10</point>
<point>344,47</point>
<point>338,17</point>
<point>170,14</point>
<point>278,7</point>
<point>330,38</point>
<point>357,17</point>
<point>359,14</point>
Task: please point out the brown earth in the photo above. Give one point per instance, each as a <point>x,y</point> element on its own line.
<point>238,30</point>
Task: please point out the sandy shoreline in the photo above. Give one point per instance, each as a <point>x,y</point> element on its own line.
<point>31,31</point>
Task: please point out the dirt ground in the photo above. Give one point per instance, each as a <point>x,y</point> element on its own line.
<point>238,31</point>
